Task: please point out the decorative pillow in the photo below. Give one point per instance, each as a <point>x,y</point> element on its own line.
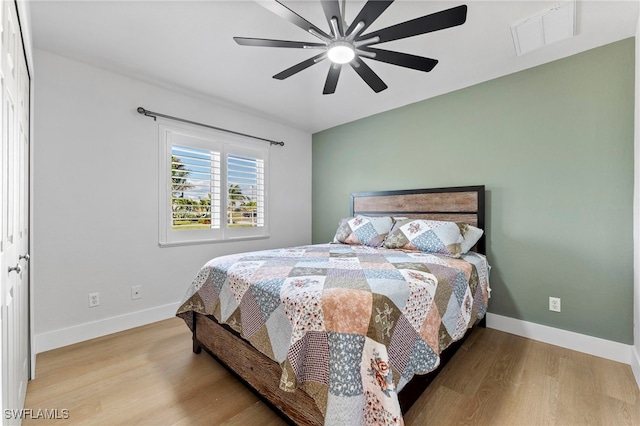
<point>364,230</point>
<point>470,235</point>
<point>341,223</point>
<point>428,236</point>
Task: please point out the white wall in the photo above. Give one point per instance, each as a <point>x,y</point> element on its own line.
<point>95,204</point>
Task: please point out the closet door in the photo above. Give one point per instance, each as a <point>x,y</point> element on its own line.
<point>14,242</point>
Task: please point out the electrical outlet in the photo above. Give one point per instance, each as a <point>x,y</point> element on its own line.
<point>136,292</point>
<point>94,299</point>
<point>554,304</point>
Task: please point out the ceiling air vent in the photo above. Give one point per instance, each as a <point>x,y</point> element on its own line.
<point>544,28</point>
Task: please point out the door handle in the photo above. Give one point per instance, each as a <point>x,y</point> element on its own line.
<point>16,268</point>
<point>25,256</point>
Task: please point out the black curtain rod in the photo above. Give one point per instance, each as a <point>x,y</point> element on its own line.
<point>155,115</point>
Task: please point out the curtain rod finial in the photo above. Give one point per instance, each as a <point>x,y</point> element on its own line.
<point>147,113</point>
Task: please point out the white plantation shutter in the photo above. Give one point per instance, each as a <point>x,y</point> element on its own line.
<point>212,188</point>
<point>245,186</point>
<point>195,187</point>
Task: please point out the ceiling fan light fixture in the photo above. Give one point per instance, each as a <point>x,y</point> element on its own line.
<point>341,52</point>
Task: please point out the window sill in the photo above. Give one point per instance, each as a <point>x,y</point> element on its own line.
<point>226,240</point>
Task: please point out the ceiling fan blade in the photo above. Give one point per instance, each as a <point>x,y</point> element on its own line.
<point>332,79</point>
<point>264,42</point>
<point>299,67</point>
<point>369,13</point>
<point>425,24</point>
<point>406,60</point>
<point>367,74</point>
<point>332,10</point>
<point>284,12</point>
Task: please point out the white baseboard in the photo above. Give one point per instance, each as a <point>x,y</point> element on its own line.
<point>567,339</point>
<point>635,364</point>
<point>90,330</point>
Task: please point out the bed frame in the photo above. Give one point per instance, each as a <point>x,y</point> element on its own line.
<point>262,375</point>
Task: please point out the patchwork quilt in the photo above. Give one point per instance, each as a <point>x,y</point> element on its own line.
<point>349,324</point>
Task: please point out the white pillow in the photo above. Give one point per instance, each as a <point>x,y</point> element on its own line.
<point>470,236</point>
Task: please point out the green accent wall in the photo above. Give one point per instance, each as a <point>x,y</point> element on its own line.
<point>554,147</point>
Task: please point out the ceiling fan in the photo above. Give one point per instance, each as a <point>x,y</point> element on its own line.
<point>346,43</point>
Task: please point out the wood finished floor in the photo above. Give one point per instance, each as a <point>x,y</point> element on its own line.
<point>149,376</point>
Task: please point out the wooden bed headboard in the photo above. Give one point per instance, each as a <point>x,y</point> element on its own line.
<point>455,204</point>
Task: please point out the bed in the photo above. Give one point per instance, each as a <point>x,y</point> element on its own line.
<point>352,331</point>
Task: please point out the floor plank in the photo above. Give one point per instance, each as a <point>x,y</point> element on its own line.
<point>149,376</point>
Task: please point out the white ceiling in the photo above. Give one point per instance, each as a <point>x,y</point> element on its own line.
<point>188,46</point>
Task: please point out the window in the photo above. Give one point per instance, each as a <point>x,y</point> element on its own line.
<point>213,187</point>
